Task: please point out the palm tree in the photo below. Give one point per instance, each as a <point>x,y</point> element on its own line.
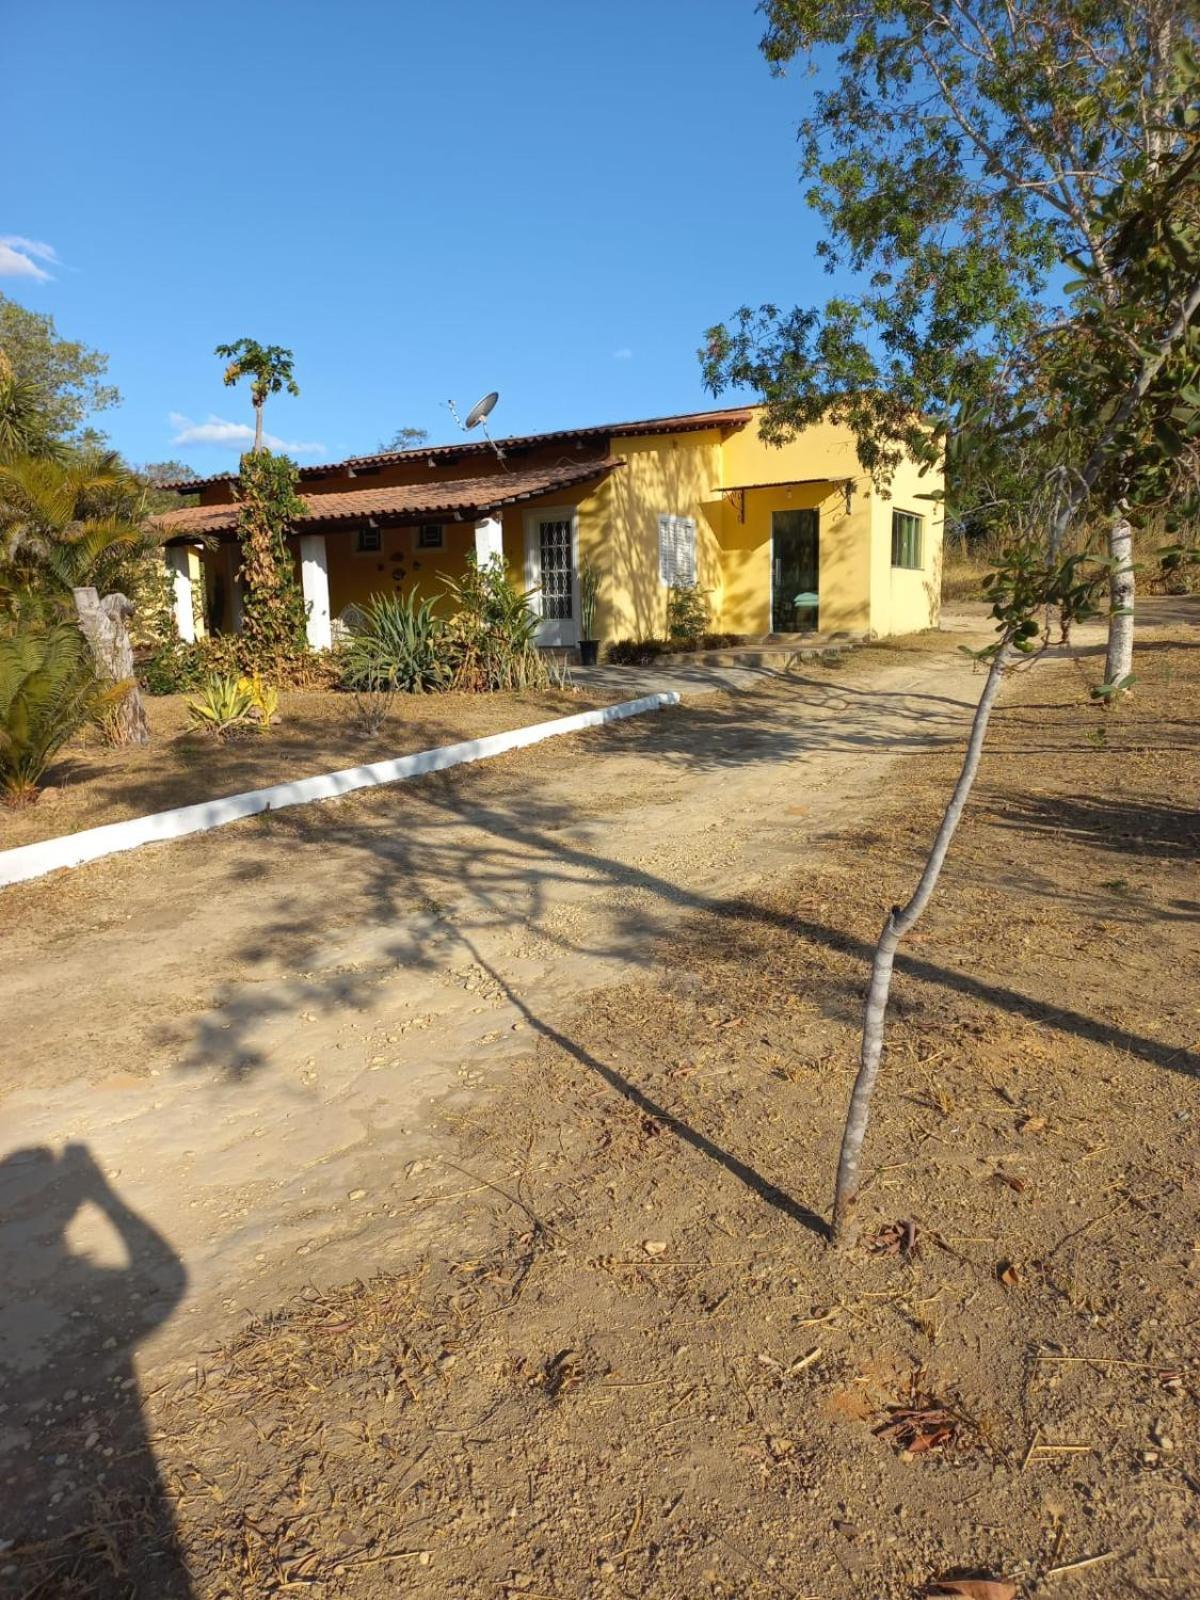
<point>24,427</point>
<point>68,531</point>
<point>269,368</point>
<point>48,689</point>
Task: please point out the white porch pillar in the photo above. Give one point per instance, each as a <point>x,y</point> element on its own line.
<point>314,581</point>
<point>180,568</point>
<point>489,540</point>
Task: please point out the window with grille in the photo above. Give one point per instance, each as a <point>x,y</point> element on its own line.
<point>554,548</point>
<point>369,541</point>
<point>906,539</point>
<point>430,536</point>
<point>677,551</point>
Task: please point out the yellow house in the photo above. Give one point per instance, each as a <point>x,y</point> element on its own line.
<point>782,539</point>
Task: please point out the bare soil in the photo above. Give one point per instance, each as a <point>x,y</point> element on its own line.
<point>609,1352</point>
<point>316,731</point>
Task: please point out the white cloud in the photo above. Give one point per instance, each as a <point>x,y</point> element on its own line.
<point>234,436</point>
<point>623,354</point>
<point>19,258</point>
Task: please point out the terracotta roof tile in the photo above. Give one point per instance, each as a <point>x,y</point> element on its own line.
<point>684,422</point>
<point>468,497</point>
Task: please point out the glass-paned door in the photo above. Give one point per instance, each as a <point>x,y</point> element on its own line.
<point>795,571</point>
<point>550,567</point>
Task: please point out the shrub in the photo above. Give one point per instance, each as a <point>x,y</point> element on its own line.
<point>224,702</point>
<point>179,668</point>
<point>48,690</point>
<point>264,700</point>
<point>589,594</point>
<point>491,634</point>
<point>399,641</point>
<point>373,701</point>
<point>637,652</point>
<point>687,613</point>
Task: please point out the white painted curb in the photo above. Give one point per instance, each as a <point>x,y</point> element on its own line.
<point>72,850</point>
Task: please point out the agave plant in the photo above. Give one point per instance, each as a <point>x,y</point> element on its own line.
<point>224,702</point>
<point>399,641</point>
<point>48,690</point>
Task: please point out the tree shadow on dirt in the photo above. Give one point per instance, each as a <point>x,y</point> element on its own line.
<point>649,1107</point>
<point>512,860</point>
<point>85,1509</point>
<point>1107,822</point>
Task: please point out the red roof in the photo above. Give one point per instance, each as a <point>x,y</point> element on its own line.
<point>685,422</point>
<point>465,498</point>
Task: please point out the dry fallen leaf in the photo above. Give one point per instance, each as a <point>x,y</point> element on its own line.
<point>1032,1125</point>
<point>977,1588</point>
<point>1008,1274</point>
<point>655,1247</point>
<point>1012,1181</point>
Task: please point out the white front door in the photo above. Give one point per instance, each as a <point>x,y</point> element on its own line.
<point>550,567</point>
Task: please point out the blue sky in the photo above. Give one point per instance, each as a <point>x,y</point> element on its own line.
<point>425,201</point>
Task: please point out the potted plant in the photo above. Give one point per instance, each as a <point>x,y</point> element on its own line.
<point>589,588</point>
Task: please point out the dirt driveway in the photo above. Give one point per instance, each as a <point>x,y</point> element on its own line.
<point>254,1031</point>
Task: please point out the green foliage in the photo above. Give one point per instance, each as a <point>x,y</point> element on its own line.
<point>400,643</point>
<point>636,652</point>
<point>687,613</point>
<point>273,635</point>
<point>74,522</point>
<point>959,160</point>
<point>645,652</point>
<point>404,439</point>
<point>25,426</point>
<point>48,690</point>
<point>491,635</point>
<point>224,702</point>
<point>64,377</point>
<point>589,594</point>
<point>269,368</point>
<point>179,668</point>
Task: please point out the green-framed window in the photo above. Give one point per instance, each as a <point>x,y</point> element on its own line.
<point>907,538</point>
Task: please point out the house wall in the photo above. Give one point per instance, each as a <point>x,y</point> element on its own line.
<point>398,568</point>
<point>906,600</point>
<point>617,529</point>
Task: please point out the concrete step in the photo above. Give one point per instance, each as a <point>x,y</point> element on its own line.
<point>773,654</point>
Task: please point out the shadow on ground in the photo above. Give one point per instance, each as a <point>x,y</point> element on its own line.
<point>84,1509</point>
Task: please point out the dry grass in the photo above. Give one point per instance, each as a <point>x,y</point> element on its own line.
<point>316,731</point>
<point>635,1369</point>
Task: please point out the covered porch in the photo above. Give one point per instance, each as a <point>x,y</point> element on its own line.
<point>354,545</point>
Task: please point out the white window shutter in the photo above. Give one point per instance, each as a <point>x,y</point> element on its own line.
<point>677,550</point>
<point>666,550</point>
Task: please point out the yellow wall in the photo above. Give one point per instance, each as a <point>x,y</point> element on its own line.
<point>906,600</point>
<point>684,474</point>
<point>399,566</point>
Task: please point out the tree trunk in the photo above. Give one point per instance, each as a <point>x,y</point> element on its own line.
<point>258,414</point>
<point>899,921</point>
<point>1118,663</point>
<point>105,627</point>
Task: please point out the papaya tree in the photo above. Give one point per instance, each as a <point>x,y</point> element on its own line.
<point>269,368</point>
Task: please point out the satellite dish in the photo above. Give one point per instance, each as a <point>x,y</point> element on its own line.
<point>480,412</point>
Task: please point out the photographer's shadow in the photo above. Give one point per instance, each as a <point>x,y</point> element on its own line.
<point>83,1279</point>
